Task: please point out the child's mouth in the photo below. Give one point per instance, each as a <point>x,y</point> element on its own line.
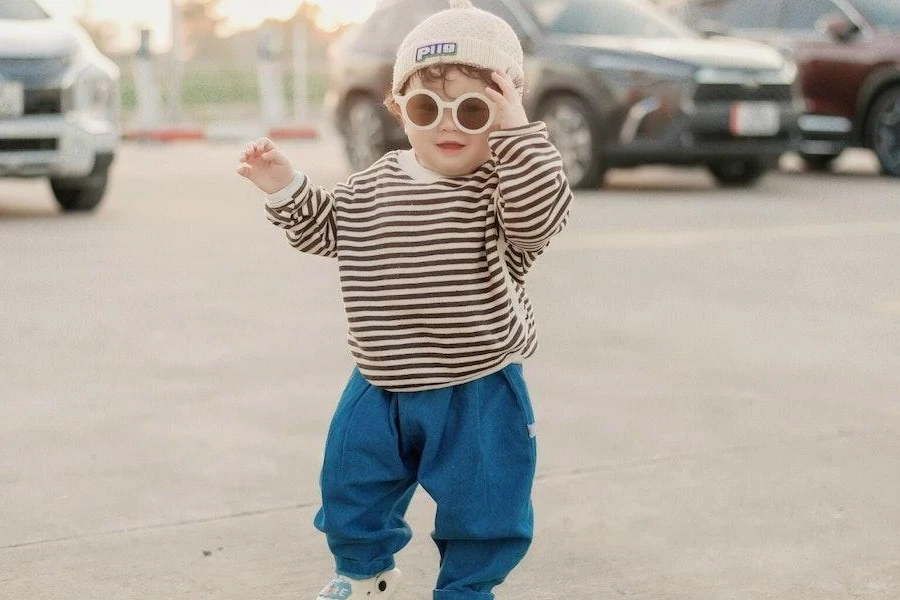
<point>451,146</point>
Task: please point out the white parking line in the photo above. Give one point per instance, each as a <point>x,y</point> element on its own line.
<point>689,237</point>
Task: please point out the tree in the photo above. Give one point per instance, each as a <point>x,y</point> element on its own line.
<point>200,21</point>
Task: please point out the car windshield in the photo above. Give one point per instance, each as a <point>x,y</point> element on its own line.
<point>632,18</point>
<point>881,13</point>
<point>21,10</point>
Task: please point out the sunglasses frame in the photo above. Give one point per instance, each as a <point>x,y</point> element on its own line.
<point>442,104</point>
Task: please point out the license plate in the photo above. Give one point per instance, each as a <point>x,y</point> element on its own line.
<point>755,119</point>
<point>12,99</point>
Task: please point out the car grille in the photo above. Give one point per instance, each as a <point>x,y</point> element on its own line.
<point>725,137</point>
<point>43,101</point>
<point>35,72</point>
<point>729,92</point>
<point>26,144</point>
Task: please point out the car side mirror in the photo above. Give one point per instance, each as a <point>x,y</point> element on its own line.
<point>837,27</point>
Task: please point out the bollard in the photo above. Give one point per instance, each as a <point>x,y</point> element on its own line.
<point>149,98</point>
<point>301,96</point>
<point>176,62</point>
<point>271,80</point>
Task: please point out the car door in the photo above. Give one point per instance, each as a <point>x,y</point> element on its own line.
<point>831,71</point>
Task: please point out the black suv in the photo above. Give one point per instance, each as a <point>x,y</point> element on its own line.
<point>618,82</point>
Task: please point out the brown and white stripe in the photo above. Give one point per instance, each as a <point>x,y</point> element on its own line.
<point>433,272</point>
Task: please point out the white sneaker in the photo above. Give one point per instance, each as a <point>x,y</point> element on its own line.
<point>380,587</point>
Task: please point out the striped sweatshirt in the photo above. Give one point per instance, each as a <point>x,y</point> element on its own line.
<point>432,268</point>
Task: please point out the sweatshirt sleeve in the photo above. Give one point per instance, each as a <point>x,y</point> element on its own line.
<point>533,193</point>
<point>306,214</point>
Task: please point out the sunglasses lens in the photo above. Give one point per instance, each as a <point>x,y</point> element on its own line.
<point>422,110</point>
<point>473,113</point>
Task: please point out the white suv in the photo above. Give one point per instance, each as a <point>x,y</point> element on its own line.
<point>59,105</point>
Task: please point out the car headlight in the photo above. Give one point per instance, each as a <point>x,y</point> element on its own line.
<point>784,76</point>
<point>94,93</point>
<point>788,74</point>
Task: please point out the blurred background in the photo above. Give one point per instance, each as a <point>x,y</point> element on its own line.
<point>204,54</point>
<point>718,380</point>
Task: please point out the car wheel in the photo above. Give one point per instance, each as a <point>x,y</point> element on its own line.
<point>739,172</point>
<point>570,128</point>
<point>818,162</point>
<point>364,133</point>
<point>80,194</point>
<point>884,130</point>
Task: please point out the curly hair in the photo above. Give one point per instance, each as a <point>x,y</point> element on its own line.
<point>438,73</point>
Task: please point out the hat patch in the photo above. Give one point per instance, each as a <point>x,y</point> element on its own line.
<point>435,50</point>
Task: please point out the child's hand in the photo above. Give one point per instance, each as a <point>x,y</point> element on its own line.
<point>511,113</point>
<point>266,166</point>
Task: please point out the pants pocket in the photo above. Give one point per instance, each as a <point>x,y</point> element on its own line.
<point>516,382</point>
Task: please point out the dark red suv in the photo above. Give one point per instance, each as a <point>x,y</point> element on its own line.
<point>848,54</point>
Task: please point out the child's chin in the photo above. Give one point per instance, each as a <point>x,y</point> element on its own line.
<point>455,168</point>
<point>455,172</point>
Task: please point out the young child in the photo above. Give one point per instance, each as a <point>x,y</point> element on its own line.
<point>433,245</point>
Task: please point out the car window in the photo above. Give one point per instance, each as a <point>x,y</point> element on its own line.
<point>386,28</point>
<point>803,16</point>
<point>371,31</point>
<point>735,14</point>
<point>881,13</point>
<point>633,18</point>
<point>21,10</point>
<point>500,9</point>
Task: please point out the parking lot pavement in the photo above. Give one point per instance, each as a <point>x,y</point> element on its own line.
<point>716,390</point>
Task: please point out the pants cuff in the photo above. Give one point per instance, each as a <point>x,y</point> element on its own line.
<point>461,595</point>
<point>355,569</point>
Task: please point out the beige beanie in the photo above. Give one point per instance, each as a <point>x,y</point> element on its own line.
<point>462,35</point>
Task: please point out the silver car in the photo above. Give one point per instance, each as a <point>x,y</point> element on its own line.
<point>59,107</point>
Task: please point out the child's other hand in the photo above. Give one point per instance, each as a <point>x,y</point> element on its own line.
<point>511,113</point>
<point>266,166</point>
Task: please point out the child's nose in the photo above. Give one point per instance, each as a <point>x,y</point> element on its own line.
<point>447,123</point>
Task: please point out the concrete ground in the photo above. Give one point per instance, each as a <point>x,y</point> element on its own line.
<point>717,390</point>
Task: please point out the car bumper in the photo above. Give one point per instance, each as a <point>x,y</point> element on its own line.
<point>54,145</point>
<point>825,134</point>
<point>702,135</point>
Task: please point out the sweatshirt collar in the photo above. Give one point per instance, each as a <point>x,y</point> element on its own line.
<point>409,164</point>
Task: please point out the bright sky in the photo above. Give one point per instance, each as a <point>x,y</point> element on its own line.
<point>240,14</point>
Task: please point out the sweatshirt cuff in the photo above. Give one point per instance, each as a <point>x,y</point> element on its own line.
<point>287,193</point>
<point>529,129</point>
<point>507,138</point>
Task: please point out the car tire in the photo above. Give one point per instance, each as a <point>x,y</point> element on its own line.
<point>883,129</point>
<point>738,172</point>
<point>818,162</point>
<point>365,132</point>
<point>82,194</point>
<point>573,130</point>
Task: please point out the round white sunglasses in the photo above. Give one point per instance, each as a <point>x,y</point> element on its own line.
<point>473,112</point>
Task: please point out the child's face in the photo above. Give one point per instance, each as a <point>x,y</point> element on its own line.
<point>446,149</point>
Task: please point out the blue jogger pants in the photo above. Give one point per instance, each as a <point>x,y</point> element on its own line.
<point>470,446</point>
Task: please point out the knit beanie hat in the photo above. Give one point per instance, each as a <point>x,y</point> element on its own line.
<point>462,35</point>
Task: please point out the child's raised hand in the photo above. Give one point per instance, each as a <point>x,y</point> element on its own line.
<point>510,111</point>
<point>266,166</point>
